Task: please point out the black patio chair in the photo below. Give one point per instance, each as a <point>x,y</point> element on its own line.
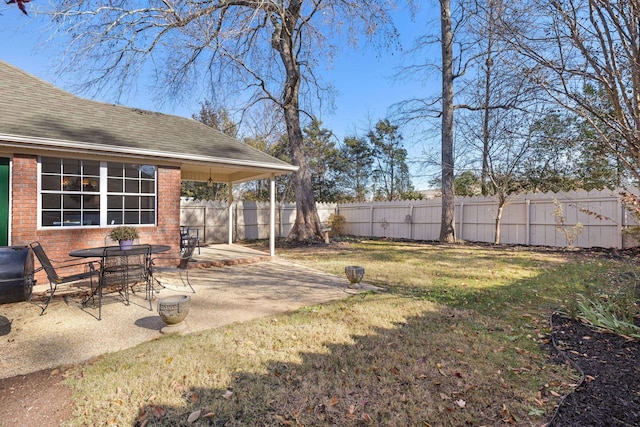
<point>181,267</point>
<point>185,234</point>
<point>89,271</point>
<point>121,270</point>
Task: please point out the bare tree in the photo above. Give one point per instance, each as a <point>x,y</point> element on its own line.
<point>267,49</point>
<point>447,224</point>
<point>586,55</point>
<point>457,55</point>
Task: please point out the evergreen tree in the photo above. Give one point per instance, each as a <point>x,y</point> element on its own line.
<point>390,172</point>
<point>357,161</point>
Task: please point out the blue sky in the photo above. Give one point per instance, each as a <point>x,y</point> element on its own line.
<point>364,78</point>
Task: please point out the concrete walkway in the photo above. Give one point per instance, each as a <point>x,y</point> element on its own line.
<point>67,334</point>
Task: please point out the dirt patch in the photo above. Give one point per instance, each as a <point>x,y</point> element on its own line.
<point>34,400</point>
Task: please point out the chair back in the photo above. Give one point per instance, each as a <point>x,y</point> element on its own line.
<point>45,262</point>
<point>187,253</point>
<point>125,266</point>
<point>138,263</point>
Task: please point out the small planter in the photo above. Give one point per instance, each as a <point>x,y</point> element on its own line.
<point>354,274</point>
<point>124,235</point>
<point>125,245</point>
<point>173,310</point>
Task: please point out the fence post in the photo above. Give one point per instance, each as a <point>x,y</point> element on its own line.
<point>411,221</point>
<point>461,221</point>
<point>371,220</point>
<point>620,221</point>
<point>527,221</point>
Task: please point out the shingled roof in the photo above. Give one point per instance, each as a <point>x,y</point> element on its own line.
<point>39,116</point>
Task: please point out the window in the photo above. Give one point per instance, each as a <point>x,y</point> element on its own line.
<point>89,193</point>
<point>131,194</point>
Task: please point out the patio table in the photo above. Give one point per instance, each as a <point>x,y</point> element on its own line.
<point>98,252</point>
<point>121,267</point>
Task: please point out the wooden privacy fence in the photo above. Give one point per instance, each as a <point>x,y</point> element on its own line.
<point>528,219</point>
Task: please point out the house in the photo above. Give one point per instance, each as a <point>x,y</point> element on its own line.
<point>72,168</point>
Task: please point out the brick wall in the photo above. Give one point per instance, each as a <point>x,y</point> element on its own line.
<point>57,243</point>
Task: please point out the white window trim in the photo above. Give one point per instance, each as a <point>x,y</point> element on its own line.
<point>103,194</point>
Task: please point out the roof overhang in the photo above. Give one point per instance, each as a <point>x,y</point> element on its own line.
<point>195,168</point>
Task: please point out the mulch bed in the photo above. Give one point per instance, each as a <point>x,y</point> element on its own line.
<point>609,394</point>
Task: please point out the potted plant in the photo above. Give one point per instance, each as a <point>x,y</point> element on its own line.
<point>125,235</point>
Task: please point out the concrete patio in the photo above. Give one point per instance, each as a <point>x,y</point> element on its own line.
<point>247,285</point>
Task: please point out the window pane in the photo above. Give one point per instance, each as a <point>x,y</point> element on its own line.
<point>91,218</point>
<point>147,187</point>
<point>51,182</point>
<point>147,217</point>
<point>147,203</point>
<point>114,185</point>
<point>131,202</point>
<point>131,186</point>
<point>91,202</point>
<point>71,166</point>
<point>148,171</point>
<point>114,202</point>
<point>51,201</point>
<point>51,218</point>
<point>131,218</point>
<point>50,165</point>
<point>71,183</point>
<point>71,201</point>
<point>131,171</point>
<point>90,184</point>
<point>91,168</point>
<point>71,218</point>
<point>114,217</point>
<point>115,169</point>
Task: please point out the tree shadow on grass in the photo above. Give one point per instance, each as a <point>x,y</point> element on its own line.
<point>426,370</point>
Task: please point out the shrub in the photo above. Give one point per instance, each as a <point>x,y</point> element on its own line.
<point>124,232</point>
<point>336,223</point>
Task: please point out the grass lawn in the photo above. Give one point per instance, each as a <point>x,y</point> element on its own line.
<point>455,337</point>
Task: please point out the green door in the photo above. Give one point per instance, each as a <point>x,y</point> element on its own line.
<point>4,202</point>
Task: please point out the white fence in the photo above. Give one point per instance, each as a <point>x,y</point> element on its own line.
<point>527,219</point>
<point>250,219</point>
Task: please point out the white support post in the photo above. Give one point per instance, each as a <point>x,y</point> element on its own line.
<point>230,209</point>
<point>272,216</point>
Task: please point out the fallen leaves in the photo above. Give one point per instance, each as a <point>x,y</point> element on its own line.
<point>194,416</point>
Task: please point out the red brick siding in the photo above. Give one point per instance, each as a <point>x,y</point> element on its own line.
<point>58,243</point>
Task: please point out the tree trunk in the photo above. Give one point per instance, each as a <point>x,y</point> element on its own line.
<point>486,111</point>
<point>498,220</point>
<point>307,225</point>
<point>447,225</point>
